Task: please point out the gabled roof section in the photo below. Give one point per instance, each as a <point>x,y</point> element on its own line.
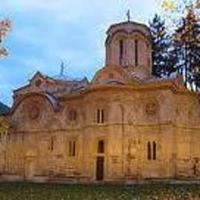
<point>55,86</point>
<point>53,101</point>
<point>37,75</point>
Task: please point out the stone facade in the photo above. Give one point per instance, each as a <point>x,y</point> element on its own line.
<point>124,125</point>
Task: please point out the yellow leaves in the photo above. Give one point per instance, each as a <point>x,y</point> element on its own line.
<point>4,126</point>
<point>169,5</point>
<point>197,4</point>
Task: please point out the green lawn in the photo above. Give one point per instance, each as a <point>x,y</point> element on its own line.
<point>28,191</point>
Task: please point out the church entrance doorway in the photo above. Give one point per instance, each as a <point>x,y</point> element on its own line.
<point>100,168</point>
<point>30,169</point>
<point>100,160</point>
<point>30,164</point>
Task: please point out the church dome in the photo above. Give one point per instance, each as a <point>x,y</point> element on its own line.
<point>128,45</point>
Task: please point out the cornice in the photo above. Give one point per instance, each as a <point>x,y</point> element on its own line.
<point>107,125</point>
<point>154,86</point>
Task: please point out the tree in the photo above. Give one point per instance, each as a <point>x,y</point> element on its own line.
<point>3,109</point>
<point>5,26</point>
<point>162,49</point>
<point>187,40</point>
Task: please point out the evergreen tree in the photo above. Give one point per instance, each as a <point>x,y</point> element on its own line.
<point>3,109</point>
<point>171,59</point>
<point>163,58</point>
<point>187,40</point>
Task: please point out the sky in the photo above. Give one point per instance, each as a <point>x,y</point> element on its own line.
<point>47,32</point>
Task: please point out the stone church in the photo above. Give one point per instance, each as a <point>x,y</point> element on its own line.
<point>124,125</point>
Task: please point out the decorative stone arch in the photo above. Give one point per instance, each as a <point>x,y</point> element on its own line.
<point>112,37</point>
<point>151,109</point>
<point>116,47</point>
<point>53,102</point>
<point>139,35</point>
<point>71,114</point>
<point>124,32</point>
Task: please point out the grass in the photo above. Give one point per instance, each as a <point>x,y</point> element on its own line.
<point>30,191</point>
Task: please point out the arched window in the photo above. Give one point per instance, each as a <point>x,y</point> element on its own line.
<point>136,52</point>
<point>154,150</point>
<point>149,150</point>
<point>72,148</point>
<point>121,51</point>
<point>51,143</point>
<point>101,146</point>
<point>38,83</point>
<point>100,116</point>
<point>72,116</point>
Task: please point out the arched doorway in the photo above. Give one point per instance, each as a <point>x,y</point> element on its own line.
<point>30,169</point>
<point>100,160</point>
<point>30,164</point>
<point>100,168</point>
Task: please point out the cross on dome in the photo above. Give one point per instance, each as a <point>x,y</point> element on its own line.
<point>128,15</point>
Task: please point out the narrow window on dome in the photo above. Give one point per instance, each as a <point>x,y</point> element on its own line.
<point>121,51</point>
<point>136,52</point>
<point>100,116</point>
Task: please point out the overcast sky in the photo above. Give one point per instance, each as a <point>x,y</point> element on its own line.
<point>45,32</point>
